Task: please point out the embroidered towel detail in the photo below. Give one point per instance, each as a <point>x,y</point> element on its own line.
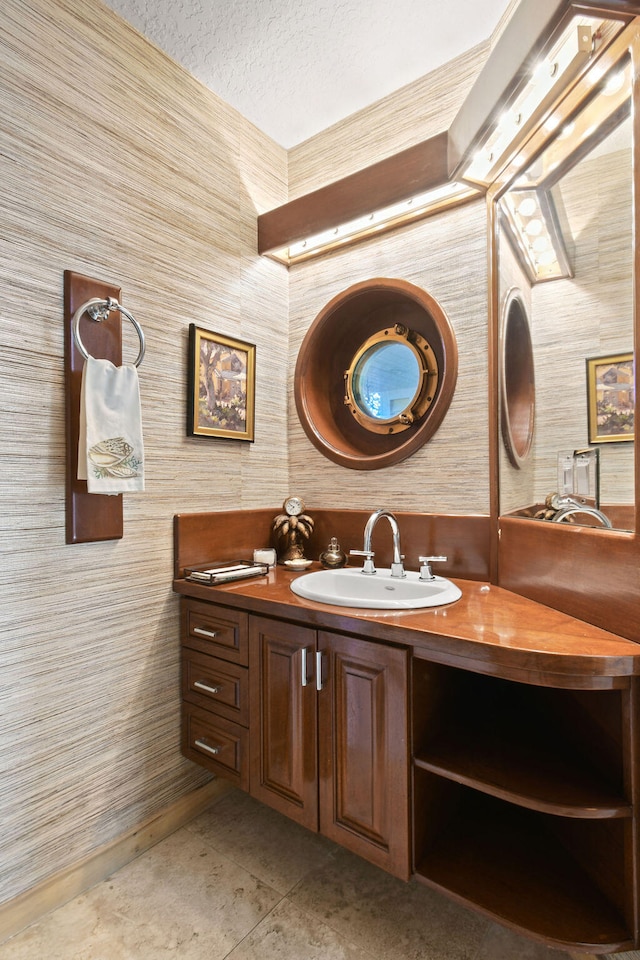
<point>110,449</point>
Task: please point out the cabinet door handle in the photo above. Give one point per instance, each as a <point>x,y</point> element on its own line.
<point>201,632</point>
<point>207,749</point>
<point>201,685</point>
<point>318,671</point>
<point>303,666</point>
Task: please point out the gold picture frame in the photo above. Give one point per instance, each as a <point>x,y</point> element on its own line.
<point>611,398</point>
<point>221,386</point>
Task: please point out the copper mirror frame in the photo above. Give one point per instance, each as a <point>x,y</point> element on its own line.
<point>337,336</point>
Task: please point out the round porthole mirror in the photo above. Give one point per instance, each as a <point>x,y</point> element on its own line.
<point>392,380</point>
<point>518,400</point>
<point>375,374</point>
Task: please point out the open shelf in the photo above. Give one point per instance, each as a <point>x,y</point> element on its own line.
<point>555,751</point>
<point>511,765</point>
<point>527,869</point>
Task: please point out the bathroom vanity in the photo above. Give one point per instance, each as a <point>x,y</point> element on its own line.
<point>488,748</point>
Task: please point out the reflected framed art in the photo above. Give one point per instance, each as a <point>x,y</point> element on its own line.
<point>611,398</point>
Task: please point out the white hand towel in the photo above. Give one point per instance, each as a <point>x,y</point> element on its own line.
<point>110,450</point>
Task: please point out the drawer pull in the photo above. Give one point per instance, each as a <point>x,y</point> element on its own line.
<point>201,632</point>
<point>201,685</point>
<point>303,663</point>
<point>319,671</point>
<point>207,749</point>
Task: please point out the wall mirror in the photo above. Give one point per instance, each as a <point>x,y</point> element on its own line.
<point>564,235</point>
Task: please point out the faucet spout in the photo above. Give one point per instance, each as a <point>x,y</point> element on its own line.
<point>397,566</point>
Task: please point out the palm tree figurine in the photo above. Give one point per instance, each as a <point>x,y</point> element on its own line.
<point>291,529</point>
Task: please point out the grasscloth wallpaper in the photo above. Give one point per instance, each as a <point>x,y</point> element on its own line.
<point>115,163</point>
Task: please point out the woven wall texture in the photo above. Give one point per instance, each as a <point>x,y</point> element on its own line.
<point>114,163</point>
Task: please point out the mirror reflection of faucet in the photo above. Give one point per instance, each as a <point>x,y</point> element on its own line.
<point>567,506</point>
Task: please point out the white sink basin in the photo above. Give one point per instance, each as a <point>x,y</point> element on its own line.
<point>349,587</point>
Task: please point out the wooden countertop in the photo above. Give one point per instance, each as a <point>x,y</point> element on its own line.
<point>489,630</point>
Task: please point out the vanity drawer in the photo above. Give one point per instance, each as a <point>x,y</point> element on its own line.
<point>217,744</point>
<point>217,631</point>
<point>216,685</point>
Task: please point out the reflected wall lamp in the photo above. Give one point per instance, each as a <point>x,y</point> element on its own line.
<point>531,212</point>
<point>532,224</point>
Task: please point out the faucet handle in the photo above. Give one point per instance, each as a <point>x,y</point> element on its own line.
<point>368,567</point>
<point>425,566</point>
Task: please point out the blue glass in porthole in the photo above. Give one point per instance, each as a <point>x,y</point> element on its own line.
<point>386,379</point>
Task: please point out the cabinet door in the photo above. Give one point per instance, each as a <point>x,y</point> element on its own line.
<point>363,750</point>
<point>283,718</point>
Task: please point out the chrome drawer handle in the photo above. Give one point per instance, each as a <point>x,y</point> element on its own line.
<point>201,685</point>
<point>207,749</point>
<point>201,632</point>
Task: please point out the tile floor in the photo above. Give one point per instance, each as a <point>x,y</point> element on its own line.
<point>242,882</point>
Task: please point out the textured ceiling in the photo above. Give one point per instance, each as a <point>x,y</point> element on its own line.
<point>294,67</point>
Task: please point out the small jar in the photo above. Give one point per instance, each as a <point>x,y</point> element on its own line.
<point>333,556</point>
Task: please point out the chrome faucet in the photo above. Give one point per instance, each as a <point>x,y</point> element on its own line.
<point>567,506</point>
<point>397,566</point>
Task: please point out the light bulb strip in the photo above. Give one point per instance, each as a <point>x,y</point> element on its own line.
<point>564,62</point>
<point>398,214</point>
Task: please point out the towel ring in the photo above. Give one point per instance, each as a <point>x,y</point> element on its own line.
<point>99,310</point>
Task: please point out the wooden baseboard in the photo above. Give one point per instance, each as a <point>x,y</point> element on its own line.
<point>58,889</point>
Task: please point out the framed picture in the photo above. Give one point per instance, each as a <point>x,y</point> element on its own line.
<point>221,386</point>
<point>611,398</point>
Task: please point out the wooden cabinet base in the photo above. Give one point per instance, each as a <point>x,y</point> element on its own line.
<point>503,774</point>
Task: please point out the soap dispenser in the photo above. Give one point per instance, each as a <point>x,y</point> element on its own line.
<point>333,556</point>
